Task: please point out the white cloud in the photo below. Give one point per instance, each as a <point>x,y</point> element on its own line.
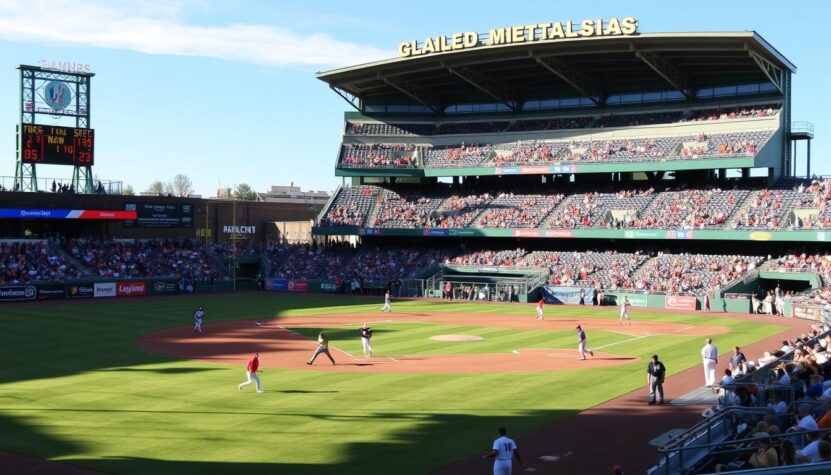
<point>158,28</point>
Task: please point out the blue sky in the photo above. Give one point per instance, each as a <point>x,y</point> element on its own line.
<point>224,91</point>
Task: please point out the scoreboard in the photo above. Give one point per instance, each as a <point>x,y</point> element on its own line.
<point>54,145</point>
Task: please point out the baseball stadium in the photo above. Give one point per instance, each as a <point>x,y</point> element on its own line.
<point>538,228</point>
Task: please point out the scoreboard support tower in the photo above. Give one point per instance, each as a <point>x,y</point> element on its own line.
<point>34,82</point>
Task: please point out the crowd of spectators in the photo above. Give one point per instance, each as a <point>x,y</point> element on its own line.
<point>355,155</point>
<point>692,274</point>
<point>791,385</point>
<point>345,265</point>
<point>458,211</point>
<point>108,258</point>
<point>240,248</point>
<point>383,128</point>
<point>489,258</point>
<point>738,112</point>
<point>32,261</point>
<point>448,128</point>
<point>351,206</point>
<point>689,209</point>
<point>564,123</point>
<point>559,123</point>
<point>511,210</point>
<point>609,270</point>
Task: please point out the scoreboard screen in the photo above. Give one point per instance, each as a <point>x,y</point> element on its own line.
<point>54,145</point>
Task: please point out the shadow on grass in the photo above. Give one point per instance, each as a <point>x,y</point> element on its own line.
<point>436,441</point>
<point>159,370</point>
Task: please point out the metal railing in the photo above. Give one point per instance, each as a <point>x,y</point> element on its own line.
<point>803,127</point>
<point>110,187</point>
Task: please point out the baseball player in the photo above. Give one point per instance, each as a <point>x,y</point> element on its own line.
<point>581,344</point>
<point>503,450</point>
<point>251,373</point>
<point>709,355</point>
<point>322,347</point>
<point>366,337</point>
<point>198,316</point>
<point>624,311</point>
<point>539,308</point>
<point>386,302</point>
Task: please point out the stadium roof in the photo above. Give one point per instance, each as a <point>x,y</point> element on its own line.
<point>594,67</point>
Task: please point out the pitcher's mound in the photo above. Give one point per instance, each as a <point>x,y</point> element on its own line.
<point>457,338</point>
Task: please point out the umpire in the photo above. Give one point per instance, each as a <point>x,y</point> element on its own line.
<point>655,379</point>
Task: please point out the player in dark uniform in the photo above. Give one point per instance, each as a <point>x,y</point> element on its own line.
<point>198,317</point>
<point>366,340</point>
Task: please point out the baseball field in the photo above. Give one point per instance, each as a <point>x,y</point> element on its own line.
<point>124,386</point>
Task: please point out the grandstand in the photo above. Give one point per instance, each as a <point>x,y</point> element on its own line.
<point>616,166</point>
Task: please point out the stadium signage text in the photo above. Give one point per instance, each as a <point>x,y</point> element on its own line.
<point>64,66</point>
<point>239,229</point>
<point>535,32</point>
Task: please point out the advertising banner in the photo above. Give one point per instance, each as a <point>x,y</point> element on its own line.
<point>18,292</point>
<point>567,295</point>
<point>298,286</point>
<point>809,312</point>
<point>677,302</point>
<point>103,289</point>
<point>164,215</point>
<point>158,288</point>
<point>326,286</point>
<point>80,291</point>
<point>51,291</point>
<point>277,285</point>
<point>131,289</point>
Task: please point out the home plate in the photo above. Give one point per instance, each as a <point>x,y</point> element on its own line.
<point>549,458</point>
<point>258,324</point>
<point>530,469</point>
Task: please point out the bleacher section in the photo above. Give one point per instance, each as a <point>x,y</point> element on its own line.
<point>736,206</point>
<point>564,123</point>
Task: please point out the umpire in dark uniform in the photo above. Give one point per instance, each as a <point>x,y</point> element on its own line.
<point>655,379</point>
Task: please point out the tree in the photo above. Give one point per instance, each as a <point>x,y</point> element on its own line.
<point>244,191</point>
<point>128,191</point>
<point>159,188</point>
<point>182,186</point>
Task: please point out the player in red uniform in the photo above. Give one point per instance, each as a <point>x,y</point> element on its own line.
<point>251,373</point>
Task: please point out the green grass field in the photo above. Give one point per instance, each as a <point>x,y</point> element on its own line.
<point>75,388</point>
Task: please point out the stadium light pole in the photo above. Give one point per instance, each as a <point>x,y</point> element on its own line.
<point>234,239</point>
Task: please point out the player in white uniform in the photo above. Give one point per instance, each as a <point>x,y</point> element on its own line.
<point>386,302</point>
<point>198,316</point>
<point>503,450</point>
<point>539,309</point>
<point>581,344</point>
<point>624,311</point>
<point>366,340</point>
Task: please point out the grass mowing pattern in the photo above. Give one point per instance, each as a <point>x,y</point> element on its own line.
<point>75,388</point>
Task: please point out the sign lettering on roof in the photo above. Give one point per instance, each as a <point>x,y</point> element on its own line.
<point>533,33</point>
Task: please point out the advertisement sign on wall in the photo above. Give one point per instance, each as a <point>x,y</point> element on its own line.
<point>80,291</point>
<point>298,286</point>
<point>104,289</point>
<point>569,295</point>
<point>18,292</point>
<point>277,285</point>
<point>163,288</point>
<point>51,291</point>
<point>677,302</point>
<point>131,289</point>
<point>809,312</point>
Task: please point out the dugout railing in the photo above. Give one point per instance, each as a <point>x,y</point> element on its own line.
<point>692,445</point>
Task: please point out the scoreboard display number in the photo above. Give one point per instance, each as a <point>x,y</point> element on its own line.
<point>54,145</point>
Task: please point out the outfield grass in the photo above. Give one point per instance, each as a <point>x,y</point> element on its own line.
<point>75,388</point>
